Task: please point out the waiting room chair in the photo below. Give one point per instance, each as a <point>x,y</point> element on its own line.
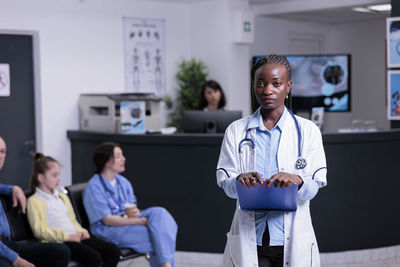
<point>75,192</point>
<point>20,229</point>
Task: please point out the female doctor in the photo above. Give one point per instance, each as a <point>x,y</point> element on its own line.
<point>272,147</point>
<point>106,194</point>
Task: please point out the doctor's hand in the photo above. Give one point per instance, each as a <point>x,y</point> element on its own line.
<point>250,179</point>
<point>133,212</point>
<point>284,179</point>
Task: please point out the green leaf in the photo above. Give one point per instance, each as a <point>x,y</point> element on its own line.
<point>191,75</point>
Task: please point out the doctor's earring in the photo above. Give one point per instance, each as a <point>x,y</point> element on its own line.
<point>287,96</point>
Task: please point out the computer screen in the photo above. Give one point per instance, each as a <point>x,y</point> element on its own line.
<point>320,81</point>
<point>198,121</point>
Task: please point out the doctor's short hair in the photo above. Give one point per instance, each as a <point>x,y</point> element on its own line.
<point>102,154</point>
<point>274,59</point>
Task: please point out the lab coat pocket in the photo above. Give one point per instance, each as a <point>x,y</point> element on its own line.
<point>304,252</point>
<point>233,248</point>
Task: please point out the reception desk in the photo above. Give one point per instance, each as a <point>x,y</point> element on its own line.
<point>357,210</point>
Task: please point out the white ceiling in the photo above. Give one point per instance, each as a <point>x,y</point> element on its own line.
<point>335,15</point>
<point>328,11</point>
<point>320,11</point>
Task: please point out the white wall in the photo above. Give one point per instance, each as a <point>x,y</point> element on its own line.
<point>81,51</point>
<point>272,35</point>
<point>365,41</point>
<point>212,41</point>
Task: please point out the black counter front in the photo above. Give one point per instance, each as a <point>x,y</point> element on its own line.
<point>357,210</point>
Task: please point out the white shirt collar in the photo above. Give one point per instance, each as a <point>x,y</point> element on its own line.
<point>256,120</point>
<point>45,195</point>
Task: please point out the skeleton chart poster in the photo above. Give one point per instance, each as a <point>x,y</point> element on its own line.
<point>144,56</point>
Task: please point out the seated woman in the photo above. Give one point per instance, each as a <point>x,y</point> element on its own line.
<point>52,218</point>
<point>151,230</point>
<point>212,96</point>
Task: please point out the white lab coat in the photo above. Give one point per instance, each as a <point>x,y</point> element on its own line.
<point>300,245</point>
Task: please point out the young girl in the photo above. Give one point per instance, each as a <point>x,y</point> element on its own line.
<point>52,218</point>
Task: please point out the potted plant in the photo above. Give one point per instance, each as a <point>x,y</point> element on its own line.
<point>191,75</point>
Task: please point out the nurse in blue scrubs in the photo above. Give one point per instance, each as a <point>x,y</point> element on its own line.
<point>151,230</point>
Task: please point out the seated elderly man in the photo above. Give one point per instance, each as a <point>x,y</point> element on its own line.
<point>27,254</point>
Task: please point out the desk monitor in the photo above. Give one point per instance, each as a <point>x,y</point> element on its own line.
<point>198,121</point>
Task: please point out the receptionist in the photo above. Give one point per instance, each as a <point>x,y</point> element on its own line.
<point>212,96</point>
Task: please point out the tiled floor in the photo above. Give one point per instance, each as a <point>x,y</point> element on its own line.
<point>379,257</point>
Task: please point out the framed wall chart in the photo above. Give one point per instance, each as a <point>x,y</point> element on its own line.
<point>144,56</point>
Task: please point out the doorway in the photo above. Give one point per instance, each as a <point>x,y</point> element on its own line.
<point>17,109</point>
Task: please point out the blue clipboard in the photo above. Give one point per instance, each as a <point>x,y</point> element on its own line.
<point>271,198</point>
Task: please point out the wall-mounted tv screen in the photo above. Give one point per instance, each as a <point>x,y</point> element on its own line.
<point>320,81</point>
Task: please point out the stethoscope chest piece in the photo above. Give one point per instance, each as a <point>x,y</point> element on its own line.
<point>301,163</point>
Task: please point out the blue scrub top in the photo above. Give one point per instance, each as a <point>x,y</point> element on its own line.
<point>158,237</point>
<point>101,199</point>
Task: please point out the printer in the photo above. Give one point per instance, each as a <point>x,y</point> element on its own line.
<point>102,112</point>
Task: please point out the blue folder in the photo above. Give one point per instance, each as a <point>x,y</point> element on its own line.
<point>271,198</point>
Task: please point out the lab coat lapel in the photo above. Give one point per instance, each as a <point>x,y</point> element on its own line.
<point>248,154</point>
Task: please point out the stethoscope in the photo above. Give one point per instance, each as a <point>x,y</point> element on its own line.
<point>300,162</point>
<point>110,196</point>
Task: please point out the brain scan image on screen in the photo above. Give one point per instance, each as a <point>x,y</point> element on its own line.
<point>333,74</point>
<point>320,81</point>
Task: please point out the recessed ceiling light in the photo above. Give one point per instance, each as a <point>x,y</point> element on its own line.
<point>381,8</point>
<point>361,9</point>
<point>374,8</point>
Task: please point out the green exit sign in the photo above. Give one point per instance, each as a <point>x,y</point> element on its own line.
<point>247,26</point>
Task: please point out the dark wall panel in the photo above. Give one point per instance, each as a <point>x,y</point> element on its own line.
<point>395,13</point>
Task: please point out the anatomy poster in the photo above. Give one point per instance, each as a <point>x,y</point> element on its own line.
<point>144,56</point>
<point>4,80</point>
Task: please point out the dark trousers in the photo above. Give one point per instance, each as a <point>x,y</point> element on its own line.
<point>269,256</point>
<point>94,252</point>
<point>40,254</point>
